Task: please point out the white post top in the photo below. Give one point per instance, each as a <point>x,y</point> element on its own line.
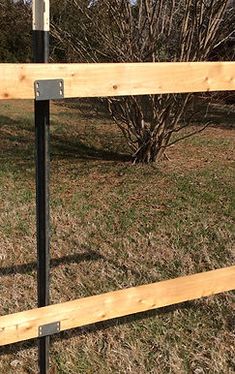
<point>41,15</point>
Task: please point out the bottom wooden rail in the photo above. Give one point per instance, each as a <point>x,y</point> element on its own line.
<point>29,324</point>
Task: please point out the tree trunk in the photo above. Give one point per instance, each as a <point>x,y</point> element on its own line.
<point>151,150</point>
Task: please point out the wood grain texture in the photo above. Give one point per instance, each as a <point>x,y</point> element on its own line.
<point>24,325</point>
<point>101,80</point>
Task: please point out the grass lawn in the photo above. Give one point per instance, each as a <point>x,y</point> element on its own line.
<point>113,226</point>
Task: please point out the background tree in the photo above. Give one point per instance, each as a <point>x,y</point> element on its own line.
<point>15,36</point>
<point>143,31</point>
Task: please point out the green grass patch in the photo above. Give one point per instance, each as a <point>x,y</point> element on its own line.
<point>115,225</point>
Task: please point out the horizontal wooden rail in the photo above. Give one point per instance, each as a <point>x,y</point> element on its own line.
<point>100,80</point>
<point>24,325</point>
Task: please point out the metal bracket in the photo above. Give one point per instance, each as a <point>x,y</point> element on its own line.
<point>49,329</point>
<point>49,89</point>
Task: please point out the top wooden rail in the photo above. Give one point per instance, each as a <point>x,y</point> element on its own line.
<point>103,80</point>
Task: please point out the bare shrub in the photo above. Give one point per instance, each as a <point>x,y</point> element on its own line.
<point>144,31</point>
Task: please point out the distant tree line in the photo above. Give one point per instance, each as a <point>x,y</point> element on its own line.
<point>78,24</point>
<point>15,35</point>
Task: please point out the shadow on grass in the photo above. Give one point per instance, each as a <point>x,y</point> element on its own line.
<point>65,260</point>
<point>26,268</point>
<point>76,149</point>
<point>220,116</point>
<point>19,141</point>
<point>20,146</point>
<point>6,121</point>
<point>86,108</point>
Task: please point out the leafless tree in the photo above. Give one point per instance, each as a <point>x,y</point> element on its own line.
<point>145,31</point>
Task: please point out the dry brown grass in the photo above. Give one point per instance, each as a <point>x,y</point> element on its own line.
<point>113,226</point>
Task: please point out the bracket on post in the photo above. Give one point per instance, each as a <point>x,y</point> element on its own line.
<point>49,89</point>
<point>49,329</point>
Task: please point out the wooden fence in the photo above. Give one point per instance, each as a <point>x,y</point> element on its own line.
<point>26,325</point>
<point>89,80</point>
<point>99,80</point>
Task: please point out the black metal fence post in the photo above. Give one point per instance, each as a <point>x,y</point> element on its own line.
<point>42,119</point>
